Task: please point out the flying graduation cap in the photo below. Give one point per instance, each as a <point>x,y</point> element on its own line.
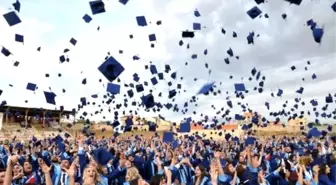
<point>111,69</point>
<point>12,18</point>
<point>97,7</point>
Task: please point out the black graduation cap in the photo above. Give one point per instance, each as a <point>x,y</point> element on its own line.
<point>196,13</point>
<point>153,69</point>
<point>254,12</point>
<point>5,51</point>
<point>87,18</point>
<point>124,2</point>
<point>16,63</point>
<point>152,37</point>
<point>250,38</point>
<point>50,97</point>
<point>318,34</point>
<point>329,99</point>
<point>18,38</point>
<point>148,101</point>
<point>31,86</point>
<point>111,69</point>
<point>188,34</point>
<point>154,81</point>
<point>17,5</point>
<point>12,18</point>
<point>97,7</point>
<point>259,1</point>
<point>141,20</point>
<point>297,2</point>
<point>333,6</point>
<point>139,88</point>
<point>73,41</point>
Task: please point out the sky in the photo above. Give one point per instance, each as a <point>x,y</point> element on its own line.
<point>281,44</point>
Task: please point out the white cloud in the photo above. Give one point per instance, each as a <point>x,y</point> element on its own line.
<point>282,43</point>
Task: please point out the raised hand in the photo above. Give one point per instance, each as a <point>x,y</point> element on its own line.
<point>44,167</point>
<point>72,170</point>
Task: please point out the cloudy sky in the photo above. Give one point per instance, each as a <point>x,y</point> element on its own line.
<point>282,43</point>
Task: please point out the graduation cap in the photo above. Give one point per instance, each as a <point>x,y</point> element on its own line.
<point>31,86</point>
<point>5,51</point>
<point>50,97</point>
<point>113,88</point>
<point>152,37</point>
<point>239,87</point>
<point>148,101</point>
<point>17,5</point>
<point>87,18</point>
<point>206,88</point>
<point>197,26</point>
<point>196,13</point>
<point>254,12</point>
<point>185,126</point>
<point>297,2</point>
<point>18,38</point>
<point>188,34</point>
<point>73,41</point>
<point>318,34</point>
<point>12,18</point>
<point>333,6</point>
<point>141,20</point>
<point>259,1</point>
<point>329,99</point>
<point>168,137</point>
<point>97,7</point>
<point>124,2</point>
<point>250,141</point>
<point>102,156</point>
<point>314,132</point>
<point>111,69</point>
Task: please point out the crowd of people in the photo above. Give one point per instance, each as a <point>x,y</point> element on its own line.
<point>190,160</point>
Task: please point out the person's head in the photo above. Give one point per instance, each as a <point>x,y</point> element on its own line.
<point>241,159</point>
<point>305,160</point>
<point>200,171</point>
<point>132,174</point>
<point>240,170</point>
<point>27,167</point>
<point>104,170</point>
<point>158,180</point>
<point>2,176</point>
<point>17,169</point>
<point>128,164</point>
<point>169,155</point>
<point>229,169</point>
<point>130,157</point>
<point>284,173</point>
<point>65,164</point>
<point>90,175</point>
<point>324,169</point>
<point>255,159</point>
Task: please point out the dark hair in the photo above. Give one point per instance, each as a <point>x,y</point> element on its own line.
<point>2,169</point>
<point>156,180</point>
<point>322,170</point>
<point>134,181</point>
<point>203,172</point>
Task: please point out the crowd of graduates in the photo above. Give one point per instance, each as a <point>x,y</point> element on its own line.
<point>188,160</point>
